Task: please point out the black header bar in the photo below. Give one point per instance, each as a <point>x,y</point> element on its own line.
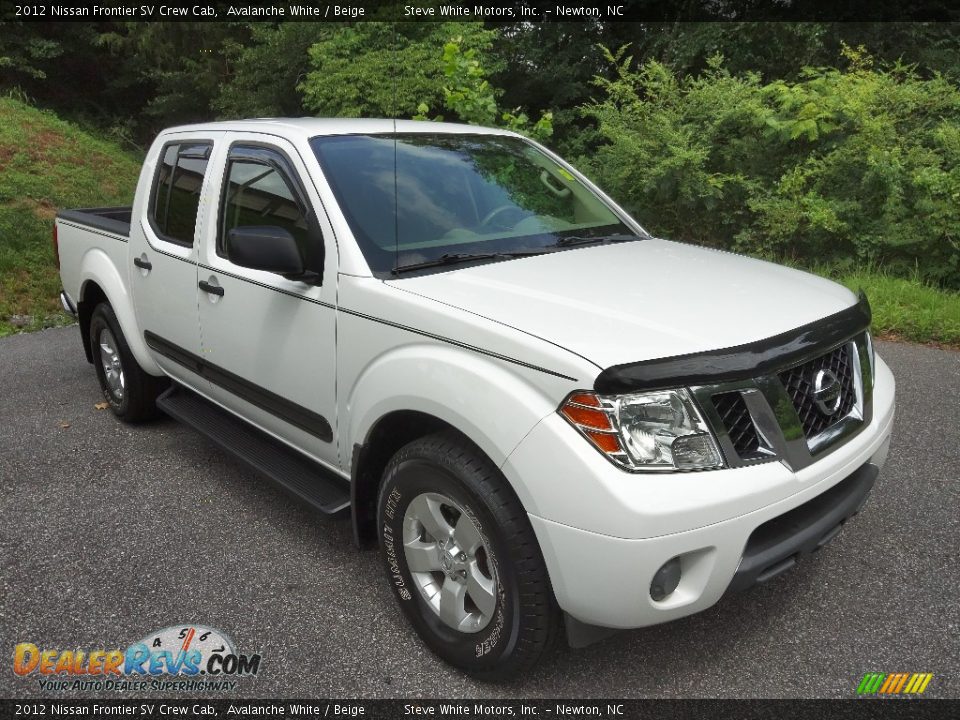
<point>503,11</point>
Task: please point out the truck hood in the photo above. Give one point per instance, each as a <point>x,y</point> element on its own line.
<point>634,301</point>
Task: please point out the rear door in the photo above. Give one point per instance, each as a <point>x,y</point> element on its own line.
<point>164,252</point>
<point>269,343</point>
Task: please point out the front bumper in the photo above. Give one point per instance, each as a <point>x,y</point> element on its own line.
<point>604,533</point>
<point>774,547</point>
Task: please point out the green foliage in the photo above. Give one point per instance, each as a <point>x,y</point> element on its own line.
<point>854,165</point>
<point>264,70</point>
<point>379,69</point>
<point>469,95</point>
<point>24,55</point>
<point>468,92</point>
<point>779,50</point>
<point>183,64</point>
<point>45,165</point>
<point>69,67</point>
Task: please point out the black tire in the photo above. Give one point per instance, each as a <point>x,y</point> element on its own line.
<point>526,621</point>
<point>136,401</point>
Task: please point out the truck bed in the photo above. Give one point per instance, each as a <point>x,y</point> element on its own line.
<point>115,220</point>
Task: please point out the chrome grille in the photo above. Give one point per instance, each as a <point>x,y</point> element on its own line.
<point>799,384</point>
<point>775,415</point>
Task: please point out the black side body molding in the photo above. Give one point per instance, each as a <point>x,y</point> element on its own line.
<point>297,474</point>
<point>740,362</point>
<point>288,411</point>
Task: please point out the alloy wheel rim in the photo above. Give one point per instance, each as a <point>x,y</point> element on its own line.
<point>449,562</point>
<point>112,367</point>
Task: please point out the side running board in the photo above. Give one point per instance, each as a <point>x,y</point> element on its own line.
<point>296,473</point>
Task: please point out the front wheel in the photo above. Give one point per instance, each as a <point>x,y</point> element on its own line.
<point>463,560</point>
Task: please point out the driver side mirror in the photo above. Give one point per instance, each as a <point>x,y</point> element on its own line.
<point>266,247</point>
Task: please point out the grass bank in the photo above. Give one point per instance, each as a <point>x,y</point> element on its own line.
<point>47,164</point>
<point>905,309</point>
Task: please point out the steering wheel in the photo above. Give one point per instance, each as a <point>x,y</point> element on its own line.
<point>503,210</point>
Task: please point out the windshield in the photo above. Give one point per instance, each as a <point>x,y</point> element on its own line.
<point>427,197</point>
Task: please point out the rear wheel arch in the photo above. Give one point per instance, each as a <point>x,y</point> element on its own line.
<point>91,295</point>
<point>101,282</point>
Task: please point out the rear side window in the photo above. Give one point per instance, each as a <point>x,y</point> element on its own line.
<point>175,199</point>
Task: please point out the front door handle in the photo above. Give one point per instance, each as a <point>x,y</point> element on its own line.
<point>212,289</point>
<point>142,263</point>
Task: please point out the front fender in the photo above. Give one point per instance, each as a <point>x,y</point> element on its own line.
<point>97,267</point>
<point>495,406</point>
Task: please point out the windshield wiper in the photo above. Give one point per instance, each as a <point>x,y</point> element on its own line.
<point>454,258</point>
<point>571,240</point>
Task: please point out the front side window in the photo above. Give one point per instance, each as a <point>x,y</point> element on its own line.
<point>259,194</point>
<point>413,198</point>
<point>175,200</point>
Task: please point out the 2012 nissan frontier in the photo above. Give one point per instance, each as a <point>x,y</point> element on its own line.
<point>544,417</point>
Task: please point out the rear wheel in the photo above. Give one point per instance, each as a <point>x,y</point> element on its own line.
<point>463,559</point>
<point>130,391</point>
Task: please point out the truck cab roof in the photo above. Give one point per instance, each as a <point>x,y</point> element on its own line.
<point>308,127</point>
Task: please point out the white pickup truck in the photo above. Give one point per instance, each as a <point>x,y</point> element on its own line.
<point>545,418</point>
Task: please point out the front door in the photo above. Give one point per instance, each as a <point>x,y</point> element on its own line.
<point>269,341</point>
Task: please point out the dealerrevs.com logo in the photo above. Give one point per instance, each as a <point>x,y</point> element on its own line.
<point>180,657</point>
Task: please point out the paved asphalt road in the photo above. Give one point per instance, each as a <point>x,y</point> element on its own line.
<point>108,532</point>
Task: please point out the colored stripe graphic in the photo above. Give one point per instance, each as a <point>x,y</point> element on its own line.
<point>894,683</point>
<point>870,683</point>
<point>922,685</point>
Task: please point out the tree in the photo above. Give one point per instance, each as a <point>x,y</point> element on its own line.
<point>470,96</point>
<point>266,70</point>
<point>378,69</point>
<point>183,63</point>
<point>840,164</point>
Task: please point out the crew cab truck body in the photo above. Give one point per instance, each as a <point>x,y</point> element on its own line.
<point>543,416</point>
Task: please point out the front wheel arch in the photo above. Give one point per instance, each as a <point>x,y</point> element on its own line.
<point>386,437</point>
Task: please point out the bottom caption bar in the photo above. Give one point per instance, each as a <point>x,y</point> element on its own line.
<point>390,709</point>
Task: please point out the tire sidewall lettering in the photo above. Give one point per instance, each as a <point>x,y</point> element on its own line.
<point>489,644</point>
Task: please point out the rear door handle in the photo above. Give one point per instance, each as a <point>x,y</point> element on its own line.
<point>212,289</point>
<point>143,263</point>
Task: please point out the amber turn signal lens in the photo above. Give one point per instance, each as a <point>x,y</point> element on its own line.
<point>606,442</point>
<point>585,412</point>
<point>584,399</point>
<point>587,418</point>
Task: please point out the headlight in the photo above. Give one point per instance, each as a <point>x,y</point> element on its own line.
<point>654,431</point>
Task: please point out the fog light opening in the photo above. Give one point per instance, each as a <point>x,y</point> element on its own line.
<point>665,580</point>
